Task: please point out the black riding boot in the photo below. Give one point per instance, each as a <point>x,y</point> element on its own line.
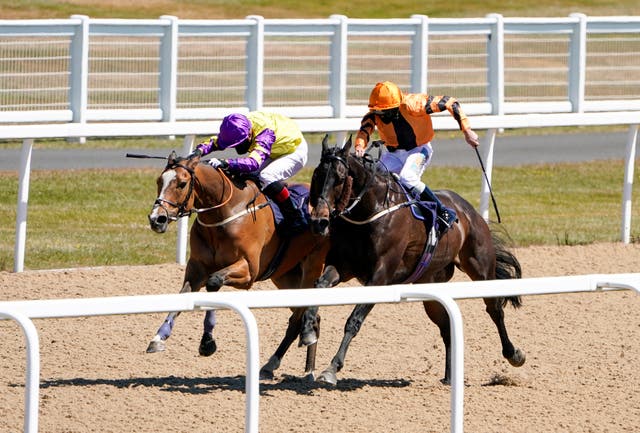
<point>446,216</point>
<point>294,217</point>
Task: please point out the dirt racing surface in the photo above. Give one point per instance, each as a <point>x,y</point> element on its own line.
<point>582,372</point>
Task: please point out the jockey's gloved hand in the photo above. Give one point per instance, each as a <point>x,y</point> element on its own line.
<point>218,163</point>
<point>195,154</point>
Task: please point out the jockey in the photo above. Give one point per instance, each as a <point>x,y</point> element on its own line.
<point>275,150</point>
<point>404,123</point>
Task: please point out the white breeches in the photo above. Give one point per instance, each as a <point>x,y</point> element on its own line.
<point>409,164</point>
<point>285,166</point>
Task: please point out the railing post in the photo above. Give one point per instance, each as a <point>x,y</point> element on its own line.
<point>252,380</point>
<point>423,292</point>
<point>578,63</point>
<point>338,67</point>
<point>79,72</point>
<point>487,148</point>
<point>32,383</point>
<point>255,64</point>
<point>169,69</point>
<point>183,223</point>
<point>630,160</point>
<point>23,201</point>
<point>495,66</point>
<point>420,55</point>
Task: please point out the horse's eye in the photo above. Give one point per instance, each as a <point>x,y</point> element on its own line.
<point>181,185</point>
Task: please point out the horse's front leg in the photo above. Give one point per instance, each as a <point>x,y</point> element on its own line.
<point>292,332</point>
<point>237,275</point>
<point>193,280</point>
<point>157,344</point>
<point>351,329</point>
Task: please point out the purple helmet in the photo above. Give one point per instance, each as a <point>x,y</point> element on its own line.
<point>235,129</point>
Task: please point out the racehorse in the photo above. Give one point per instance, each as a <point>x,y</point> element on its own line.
<point>234,242</point>
<point>376,239</point>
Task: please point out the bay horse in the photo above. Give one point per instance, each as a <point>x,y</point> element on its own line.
<point>375,238</point>
<point>234,242</point>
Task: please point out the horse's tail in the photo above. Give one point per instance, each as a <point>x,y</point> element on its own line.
<point>507,265</point>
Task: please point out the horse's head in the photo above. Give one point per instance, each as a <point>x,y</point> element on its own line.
<point>175,192</point>
<point>330,186</point>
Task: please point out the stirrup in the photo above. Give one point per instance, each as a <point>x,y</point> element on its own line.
<point>447,218</point>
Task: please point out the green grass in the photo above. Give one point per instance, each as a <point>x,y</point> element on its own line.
<point>97,217</point>
<point>217,9</point>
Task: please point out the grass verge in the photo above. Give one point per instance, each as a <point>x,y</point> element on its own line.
<point>99,217</point>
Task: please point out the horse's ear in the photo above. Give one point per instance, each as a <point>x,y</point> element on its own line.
<point>172,157</point>
<point>347,145</point>
<point>325,143</point>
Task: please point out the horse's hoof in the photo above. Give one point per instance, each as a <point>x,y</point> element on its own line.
<point>309,376</point>
<point>156,346</point>
<point>518,358</point>
<point>266,374</point>
<point>328,377</point>
<point>207,346</point>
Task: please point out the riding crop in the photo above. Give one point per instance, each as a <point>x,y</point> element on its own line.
<point>495,206</point>
<point>138,155</point>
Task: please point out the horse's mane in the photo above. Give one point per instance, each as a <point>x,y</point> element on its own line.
<point>382,175</point>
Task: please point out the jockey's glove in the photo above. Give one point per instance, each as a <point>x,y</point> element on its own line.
<point>195,154</point>
<point>218,163</point>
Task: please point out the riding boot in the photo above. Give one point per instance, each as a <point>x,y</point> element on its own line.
<point>294,218</point>
<point>446,216</point>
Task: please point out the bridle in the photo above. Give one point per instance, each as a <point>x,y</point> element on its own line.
<point>340,209</point>
<point>182,207</point>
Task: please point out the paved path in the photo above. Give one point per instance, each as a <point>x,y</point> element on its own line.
<point>508,151</point>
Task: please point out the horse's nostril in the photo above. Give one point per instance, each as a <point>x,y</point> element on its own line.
<point>161,219</point>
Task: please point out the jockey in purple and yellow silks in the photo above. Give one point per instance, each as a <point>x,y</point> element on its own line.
<point>275,150</point>
<point>404,123</point>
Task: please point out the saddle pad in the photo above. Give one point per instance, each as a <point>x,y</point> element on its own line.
<point>300,196</point>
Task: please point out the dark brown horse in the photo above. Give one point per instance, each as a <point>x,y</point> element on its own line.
<point>376,239</point>
<point>234,242</point>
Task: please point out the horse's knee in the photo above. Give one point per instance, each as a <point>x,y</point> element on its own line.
<point>310,331</point>
<point>214,282</point>
<point>329,278</point>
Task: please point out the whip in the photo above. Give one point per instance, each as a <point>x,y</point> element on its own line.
<point>142,156</point>
<point>495,206</point>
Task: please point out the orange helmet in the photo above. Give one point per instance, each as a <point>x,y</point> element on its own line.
<point>384,96</point>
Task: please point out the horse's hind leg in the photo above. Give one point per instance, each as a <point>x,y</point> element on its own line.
<point>494,306</point>
<point>438,315</point>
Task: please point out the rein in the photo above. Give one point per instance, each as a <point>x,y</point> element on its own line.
<point>342,211</point>
<point>182,207</point>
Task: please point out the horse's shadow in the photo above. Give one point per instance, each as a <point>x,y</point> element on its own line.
<point>205,385</point>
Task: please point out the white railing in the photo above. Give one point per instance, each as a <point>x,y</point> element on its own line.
<point>24,311</point>
<point>192,129</point>
<point>171,69</point>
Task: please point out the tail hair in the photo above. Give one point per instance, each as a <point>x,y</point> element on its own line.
<point>507,265</point>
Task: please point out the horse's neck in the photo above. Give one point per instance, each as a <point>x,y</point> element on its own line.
<point>369,184</point>
<point>213,188</point>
